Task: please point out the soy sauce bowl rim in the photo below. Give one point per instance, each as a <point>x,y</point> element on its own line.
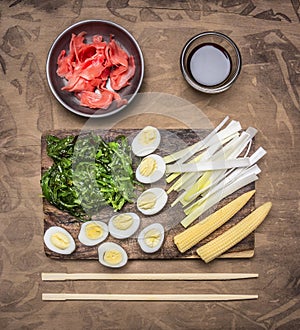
<point>212,89</point>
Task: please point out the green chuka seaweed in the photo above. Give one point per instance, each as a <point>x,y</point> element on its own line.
<point>88,173</point>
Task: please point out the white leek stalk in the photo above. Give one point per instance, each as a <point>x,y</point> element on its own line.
<point>227,134</point>
<point>203,206</point>
<point>181,153</point>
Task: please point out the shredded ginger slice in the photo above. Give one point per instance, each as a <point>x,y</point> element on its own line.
<point>88,67</point>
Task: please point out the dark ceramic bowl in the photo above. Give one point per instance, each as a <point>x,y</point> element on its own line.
<point>220,44</point>
<point>105,29</point>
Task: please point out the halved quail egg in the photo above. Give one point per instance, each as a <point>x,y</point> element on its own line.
<point>112,255</point>
<point>151,238</point>
<point>123,225</point>
<point>59,240</point>
<point>152,200</point>
<point>146,141</point>
<point>151,169</point>
<point>93,232</point>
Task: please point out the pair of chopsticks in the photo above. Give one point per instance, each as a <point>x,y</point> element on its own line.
<point>146,277</point>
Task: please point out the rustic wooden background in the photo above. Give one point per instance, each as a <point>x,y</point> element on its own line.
<point>266,96</point>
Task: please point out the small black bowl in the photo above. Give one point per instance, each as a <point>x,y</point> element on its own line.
<point>94,27</point>
<point>221,44</point>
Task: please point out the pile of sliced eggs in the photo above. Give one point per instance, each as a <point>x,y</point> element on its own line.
<point>150,170</point>
<point>123,225</point>
<point>152,167</point>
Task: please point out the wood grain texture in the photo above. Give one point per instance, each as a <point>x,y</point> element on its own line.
<point>265,96</point>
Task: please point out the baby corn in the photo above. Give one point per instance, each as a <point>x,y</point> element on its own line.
<point>190,237</point>
<point>234,235</point>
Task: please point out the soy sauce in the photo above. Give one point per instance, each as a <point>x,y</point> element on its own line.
<point>209,64</point>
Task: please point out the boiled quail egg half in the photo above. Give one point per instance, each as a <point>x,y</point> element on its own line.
<point>59,240</point>
<point>112,255</point>
<point>93,232</point>
<point>151,238</point>
<point>151,169</point>
<point>123,225</point>
<point>146,141</point>
<point>152,200</point>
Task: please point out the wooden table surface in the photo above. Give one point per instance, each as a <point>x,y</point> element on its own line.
<point>266,96</point>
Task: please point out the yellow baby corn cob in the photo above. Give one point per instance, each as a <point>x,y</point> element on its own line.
<point>232,236</point>
<point>190,237</point>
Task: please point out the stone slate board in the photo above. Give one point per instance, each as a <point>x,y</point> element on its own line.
<point>172,140</point>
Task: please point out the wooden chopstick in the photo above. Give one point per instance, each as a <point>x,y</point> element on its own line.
<point>146,276</point>
<point>145,297</point>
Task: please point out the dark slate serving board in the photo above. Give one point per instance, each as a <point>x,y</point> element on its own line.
<point>172,140</point>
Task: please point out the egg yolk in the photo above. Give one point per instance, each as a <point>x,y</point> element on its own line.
<point>60,240</point>
<point>112,257</point>
<point>147,201</point>
<point>148,166</point>
<point>123,221</point>
<point>93,231</point>
<point>152,237</point>
<point>147,136</point>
